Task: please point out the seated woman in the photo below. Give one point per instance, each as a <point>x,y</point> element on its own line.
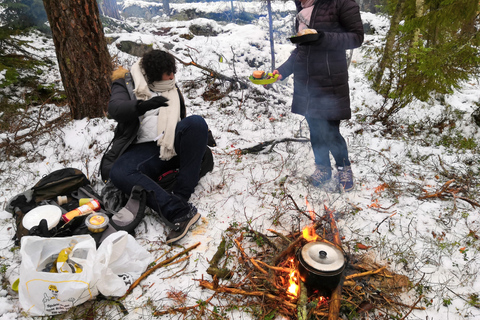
<point>153,136</point>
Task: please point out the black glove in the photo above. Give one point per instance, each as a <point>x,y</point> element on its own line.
<point>153,103</point>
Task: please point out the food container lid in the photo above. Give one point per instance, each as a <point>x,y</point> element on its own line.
<point>48,212</point>
<point>323,256</point>
<point>96,220</point>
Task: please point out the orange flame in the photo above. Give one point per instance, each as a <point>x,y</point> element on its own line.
<point>309,233</point>
<point>322,301</point>
<point>292,280</point>
<point>310,209</point>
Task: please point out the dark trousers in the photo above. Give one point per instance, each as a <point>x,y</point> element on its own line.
<point>325,137</point>
<point>141,165</point>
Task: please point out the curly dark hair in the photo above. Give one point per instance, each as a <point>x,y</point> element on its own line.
<point>156,63</point>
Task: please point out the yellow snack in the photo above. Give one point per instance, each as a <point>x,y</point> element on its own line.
<point>306,31</point>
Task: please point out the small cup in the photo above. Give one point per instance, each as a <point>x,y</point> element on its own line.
<point>97,222</point>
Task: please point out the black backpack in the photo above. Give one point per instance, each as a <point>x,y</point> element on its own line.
<point>69,183</point>
<point>64,188</point>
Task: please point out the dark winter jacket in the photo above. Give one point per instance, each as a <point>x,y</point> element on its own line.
<point>123,108</point>
<point>320,67</point>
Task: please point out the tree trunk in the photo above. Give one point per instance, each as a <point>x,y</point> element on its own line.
<point>166,7</point>
<point>82,54</point>
<point>419,9</point>
<point>109,8</point>
<point>389,43</point>
<point>270,27</point>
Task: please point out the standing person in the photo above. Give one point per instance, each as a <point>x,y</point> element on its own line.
<point>321,91</point>
<point>153,136</point>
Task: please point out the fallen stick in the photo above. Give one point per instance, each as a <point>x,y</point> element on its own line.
<point>163,255</point>
<point>259,147</point>
<point>155,267</point>
<point>302,301</point>
<point>280,235</point>
<point>363,274</point>
<point>439,193</point>
<point>286,270</point>
<point>378,225</point>
<point>211,286</point>
<point>336,297</point>
<point>248,258</point>
<point>298,208</point>
<point>213,269</point>
<point>288,250</point>
<point>182,309</point>
<point>212,73</point>
<point>472,202</point>
<point>413,307</point>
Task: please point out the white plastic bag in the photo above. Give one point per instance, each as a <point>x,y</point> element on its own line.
<point>48,293</point>
<point>121,261</point>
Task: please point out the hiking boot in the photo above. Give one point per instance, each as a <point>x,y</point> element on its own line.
<point>345,178</point>
<point>182,227</point>
<point>321,175</point>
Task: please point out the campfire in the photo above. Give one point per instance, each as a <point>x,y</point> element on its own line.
<point>302,275</point>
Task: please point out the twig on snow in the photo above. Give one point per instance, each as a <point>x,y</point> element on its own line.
<point>259,147</point>
<point>155,267</point>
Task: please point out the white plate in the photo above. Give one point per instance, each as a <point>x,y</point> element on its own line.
<point>49,212</point>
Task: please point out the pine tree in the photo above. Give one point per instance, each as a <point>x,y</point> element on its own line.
<point>429,53</point>
<point>82,54</point>
<point>23,14</point>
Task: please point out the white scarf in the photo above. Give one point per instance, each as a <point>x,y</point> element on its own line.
<point>305,14</point>
<point>168,117</point>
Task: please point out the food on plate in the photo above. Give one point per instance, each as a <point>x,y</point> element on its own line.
<point>258,74</point>
<point>306,31</point>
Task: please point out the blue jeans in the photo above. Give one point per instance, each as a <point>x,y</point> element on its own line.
<point>140,165</point>
<point>325,137</point>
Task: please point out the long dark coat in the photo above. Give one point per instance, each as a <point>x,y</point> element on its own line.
<point>320,68</point>
<point>123,108</point>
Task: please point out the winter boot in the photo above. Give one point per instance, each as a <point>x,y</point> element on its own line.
<point>345,178</point>
<point>182,227</point>
<point>321,175</point>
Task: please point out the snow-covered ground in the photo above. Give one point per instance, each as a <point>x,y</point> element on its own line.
<point>432,241</point>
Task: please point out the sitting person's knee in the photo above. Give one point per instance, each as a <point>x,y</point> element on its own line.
<point>196,123</point>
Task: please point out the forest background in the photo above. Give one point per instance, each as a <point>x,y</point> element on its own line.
<point>423,59</point>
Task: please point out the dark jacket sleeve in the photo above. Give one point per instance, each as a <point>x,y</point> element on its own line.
<point>121,107</point>
<point>352,34</point>
<point>286,68</point>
